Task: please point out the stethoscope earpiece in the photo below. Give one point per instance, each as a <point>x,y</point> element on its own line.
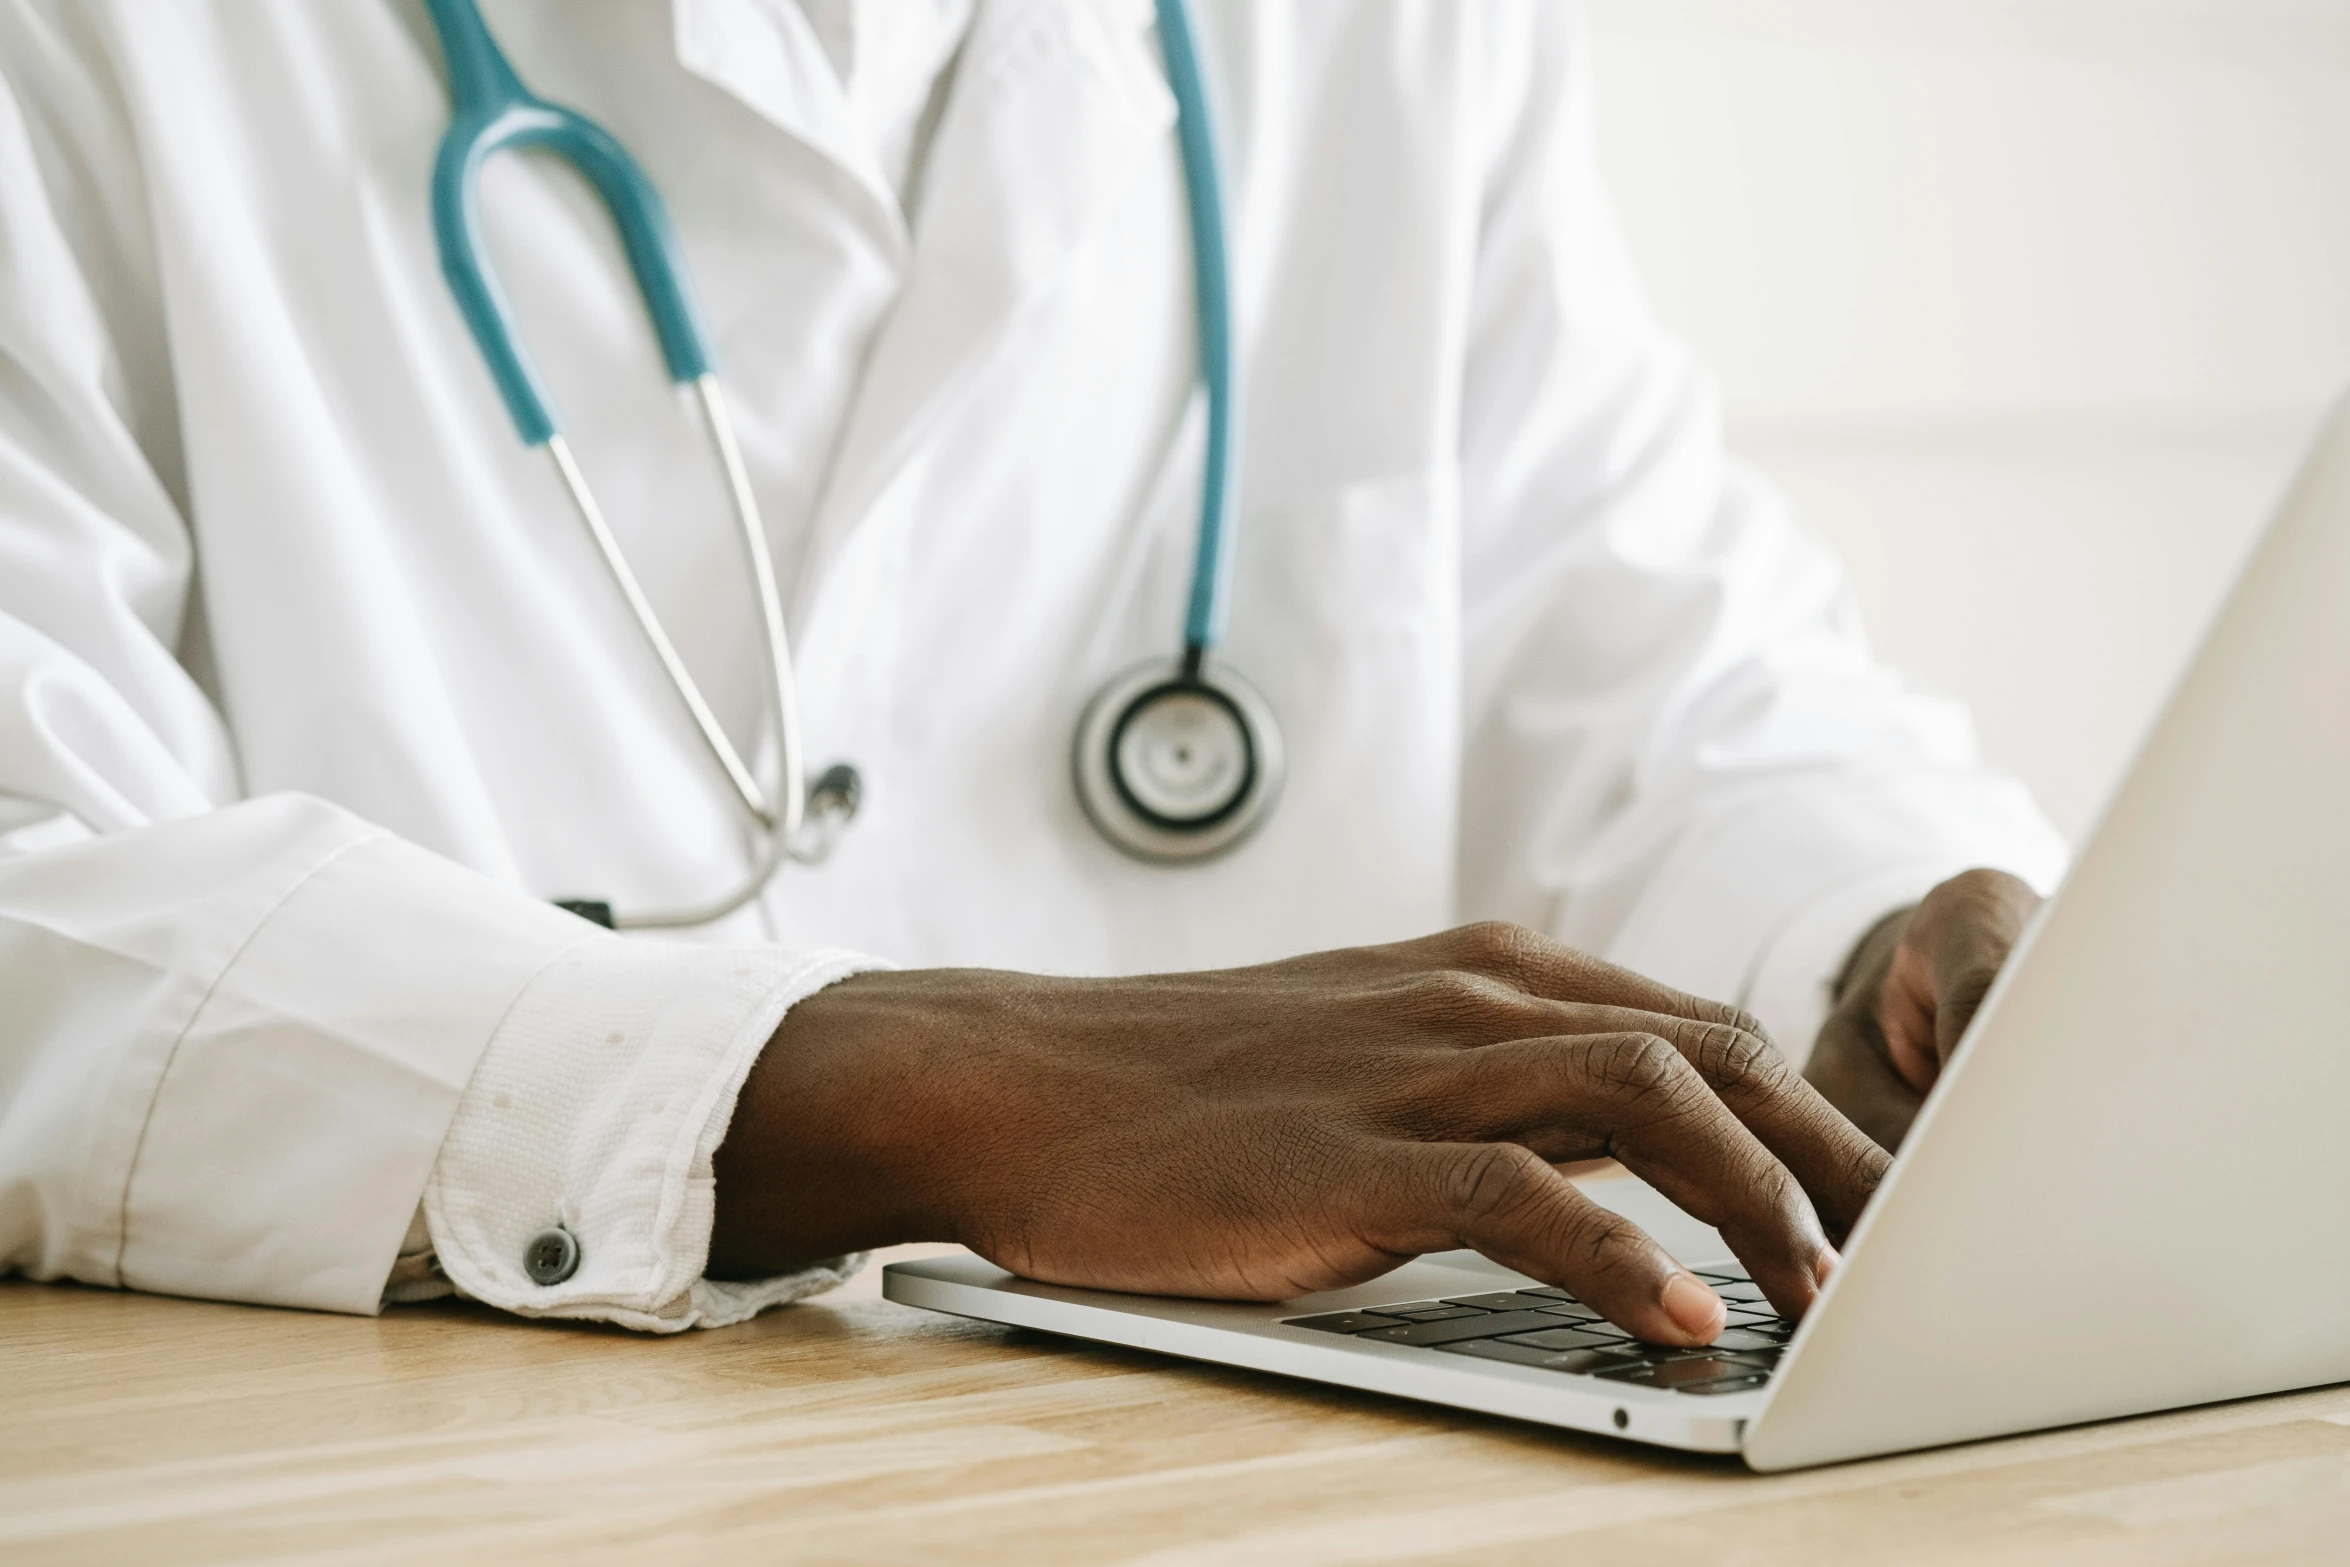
<point>1176,764</point>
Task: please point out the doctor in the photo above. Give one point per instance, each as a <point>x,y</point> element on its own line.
<point>315,695</point>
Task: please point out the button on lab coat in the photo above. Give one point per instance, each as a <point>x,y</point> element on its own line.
<point>312,691</point>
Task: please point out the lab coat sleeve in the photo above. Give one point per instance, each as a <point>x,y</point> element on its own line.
<point>233,1043</point>
<point>1680,751</point>
<point>240,1044</point>
<point>241,1039</point>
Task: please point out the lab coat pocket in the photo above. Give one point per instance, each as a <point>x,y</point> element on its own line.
<point>1346,610</point>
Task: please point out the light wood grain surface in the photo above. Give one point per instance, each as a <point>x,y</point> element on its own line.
<point>135,1429</point>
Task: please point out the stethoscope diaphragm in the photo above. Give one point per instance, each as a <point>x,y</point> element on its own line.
<point>1174,763</point>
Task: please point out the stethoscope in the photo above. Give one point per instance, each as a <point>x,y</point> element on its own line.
<point>1175,761</point>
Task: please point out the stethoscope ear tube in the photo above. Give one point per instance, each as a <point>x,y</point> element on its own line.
<point>492,111</point>
<point>1211,270</point>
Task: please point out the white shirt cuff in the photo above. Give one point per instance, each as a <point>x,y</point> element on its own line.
<point>597,1109</point>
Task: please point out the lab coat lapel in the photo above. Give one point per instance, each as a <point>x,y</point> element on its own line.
<point>1056,105</point>
<point>769,57</point>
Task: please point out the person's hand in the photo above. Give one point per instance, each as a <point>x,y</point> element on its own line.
<point>1264,1133</point>
<point>1906,997</point>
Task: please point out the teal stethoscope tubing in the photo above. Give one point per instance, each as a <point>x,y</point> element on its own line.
<point>1203,188</point>
<point>492,111</point>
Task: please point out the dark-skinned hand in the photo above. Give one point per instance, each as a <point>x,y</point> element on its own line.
<point>1267,1132</point>
<point>1914,984</point>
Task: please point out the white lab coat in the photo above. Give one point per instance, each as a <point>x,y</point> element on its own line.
<point>312,691</point>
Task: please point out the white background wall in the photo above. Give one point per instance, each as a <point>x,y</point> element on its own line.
<point>2029,304</point>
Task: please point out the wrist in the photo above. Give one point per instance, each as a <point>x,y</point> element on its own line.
<point>816,1162</point>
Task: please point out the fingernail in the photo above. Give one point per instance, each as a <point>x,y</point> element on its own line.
<point>1695,1310</point>
<point>1824,1266</point>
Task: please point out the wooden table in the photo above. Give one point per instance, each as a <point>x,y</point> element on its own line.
<point>135,1429</point>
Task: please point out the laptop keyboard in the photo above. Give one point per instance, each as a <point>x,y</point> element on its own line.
<point>1552,1330</point>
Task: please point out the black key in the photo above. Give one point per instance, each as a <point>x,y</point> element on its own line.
<point>1603,1328</point>
<point>1440,1314</point>
<point>1500,1300</point>
<point>1490,1324</point>
<point>1575,1362</point>
<point>1548,1292</point>
<point>1504,1350</point>
<point>1562,1338</point>
<point>1574,1309</point>
<point>1722,1275</point>
<point>1726,1385</point>
<point>1687,1371</point>
<point>1412,1308</point>
<point>1777,1329</point>
<point>1775,1334</point>
<point>1747,1339</point>
<point>1750,1293</point>
<point>1342,1322</point>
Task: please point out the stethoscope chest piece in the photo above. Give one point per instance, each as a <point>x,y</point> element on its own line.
<point>1175,764</point>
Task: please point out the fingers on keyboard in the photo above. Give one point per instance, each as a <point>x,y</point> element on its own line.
<point>1550,1329</point>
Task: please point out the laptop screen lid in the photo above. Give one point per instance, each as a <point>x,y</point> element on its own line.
<point>2131,1190</point>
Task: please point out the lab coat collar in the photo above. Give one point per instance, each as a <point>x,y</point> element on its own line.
<point>765,53</point>
<point>1055,106</point>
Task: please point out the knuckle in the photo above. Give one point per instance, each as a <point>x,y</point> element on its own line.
<point>1785,1194</point>
<point>1605,1251</point>
<point>1738,1061</point>
<point>1980,904</point>
<point>1490,1179</point>
<point>1639,1065</point>
<point>1456,997</point>
<point>1866,1170</point>
<point>1498,946</point>
<point>1986,885</point>
<point>1723,1014</point>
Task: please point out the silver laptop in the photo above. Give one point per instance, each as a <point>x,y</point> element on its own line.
<point>2131,1191</point>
